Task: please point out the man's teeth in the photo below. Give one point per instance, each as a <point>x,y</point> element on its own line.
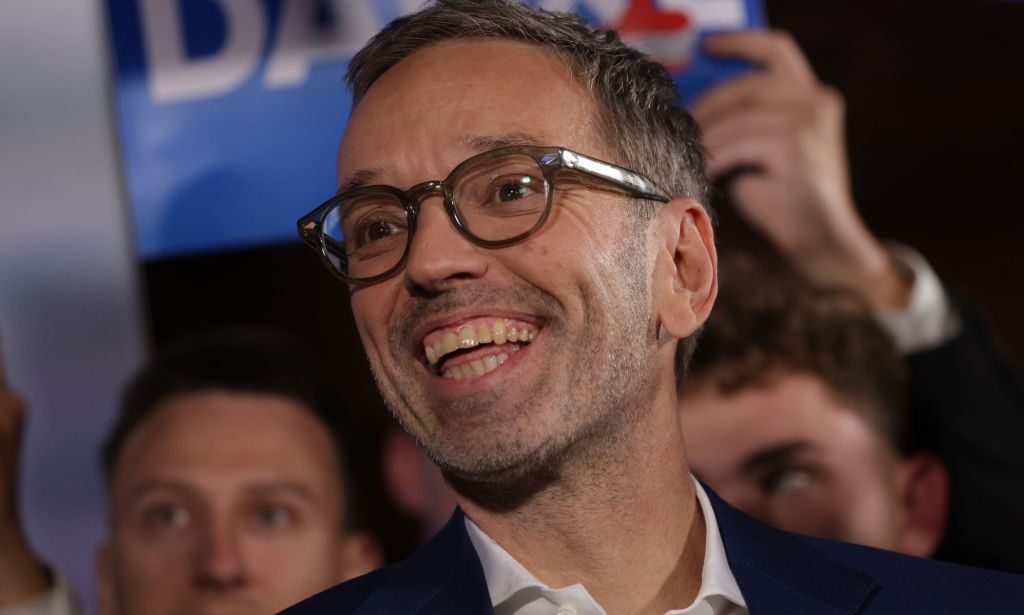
<point>478,367</point>
<point>469,336</point>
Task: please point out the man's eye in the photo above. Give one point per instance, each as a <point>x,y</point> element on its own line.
<point>379,230</point>
<point>274,516</point>
<point>786,480</point>
<point>516,188</point>
<point>511,191</point>
<point>167,517</point>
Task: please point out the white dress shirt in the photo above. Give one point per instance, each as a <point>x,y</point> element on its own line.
<point>929,319</point>
<point>514,591</point>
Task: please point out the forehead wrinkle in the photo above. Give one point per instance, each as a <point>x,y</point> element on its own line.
<point>359,179</point>
<point>265,488</point>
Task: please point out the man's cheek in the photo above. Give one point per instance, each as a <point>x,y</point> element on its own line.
<point>372,334</point>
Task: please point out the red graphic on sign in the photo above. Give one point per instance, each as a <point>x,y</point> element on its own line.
<point>667,36</point>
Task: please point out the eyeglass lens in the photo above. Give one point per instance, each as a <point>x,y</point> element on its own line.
<point>497,198</point>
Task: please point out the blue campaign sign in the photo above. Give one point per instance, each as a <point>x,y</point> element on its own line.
<point>230,111</point>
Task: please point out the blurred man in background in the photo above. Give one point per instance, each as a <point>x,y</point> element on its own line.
<point>776,145</point>
<point>795,411</point>
<point>228,486</point>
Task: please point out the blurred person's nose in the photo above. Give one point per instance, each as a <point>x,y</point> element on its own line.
<point>219,560</point>
<point>439,256</point>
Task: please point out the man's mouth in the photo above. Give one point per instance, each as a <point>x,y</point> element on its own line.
<point>476,347</point>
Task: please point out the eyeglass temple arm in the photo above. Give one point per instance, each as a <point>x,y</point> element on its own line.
<point>625,179</point>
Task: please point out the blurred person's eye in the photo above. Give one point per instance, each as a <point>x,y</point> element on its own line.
<point>785,480</point>
<point>166,517</point>
<point>274,516</point>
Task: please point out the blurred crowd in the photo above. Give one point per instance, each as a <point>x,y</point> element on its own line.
<point>840,389</point>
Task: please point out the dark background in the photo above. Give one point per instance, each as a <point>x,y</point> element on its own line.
<point>935,96</point>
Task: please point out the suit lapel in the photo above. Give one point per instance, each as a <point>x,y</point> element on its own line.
<point>443,577</point>
<point>781,573</point>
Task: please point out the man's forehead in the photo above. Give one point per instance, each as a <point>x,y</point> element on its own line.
<point>195,427</point>
<point>250,485</point>
<point>450,100</point>
<point>476,144</point>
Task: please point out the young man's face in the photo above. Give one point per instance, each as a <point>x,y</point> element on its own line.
<point>225,503</point>
<point>792,455</point>
<point>579,286</point>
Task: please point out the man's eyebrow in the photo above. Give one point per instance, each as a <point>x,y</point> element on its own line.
<point>484,143</point>
<point>359,179</point>
<point>279,487</point>
<point>774,456</point>
<point>251,489</point>
<point>481,143</point>
<point>148,486</point>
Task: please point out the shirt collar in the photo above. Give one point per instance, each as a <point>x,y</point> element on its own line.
<point>717,577</point>
<point>505,576</point>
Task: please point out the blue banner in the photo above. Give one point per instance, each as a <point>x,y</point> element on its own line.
<point>230,111</point>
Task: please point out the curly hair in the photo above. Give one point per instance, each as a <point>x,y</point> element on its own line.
<point>768,322</point>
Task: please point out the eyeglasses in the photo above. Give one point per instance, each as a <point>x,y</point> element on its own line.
<point>494,199</point>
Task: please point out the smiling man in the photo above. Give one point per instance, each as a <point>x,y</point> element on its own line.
<point>508,172</point>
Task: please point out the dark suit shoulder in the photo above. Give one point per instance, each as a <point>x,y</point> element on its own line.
<point>781,573</point>
<point>916,575</point>
<point>908,584</point>
<point>442,577</point>
<point>342,598</point>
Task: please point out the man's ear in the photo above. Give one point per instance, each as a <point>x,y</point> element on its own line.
<point>687,267</point>
<point>105,589</point>
<point>925,493</point>
<point>359,552</point>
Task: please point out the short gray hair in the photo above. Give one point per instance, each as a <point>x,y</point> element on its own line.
<point>639,110</point>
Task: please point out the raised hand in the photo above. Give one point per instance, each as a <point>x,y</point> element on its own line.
<point>785,129</point>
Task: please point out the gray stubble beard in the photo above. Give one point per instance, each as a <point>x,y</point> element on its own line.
<point>505,475</point>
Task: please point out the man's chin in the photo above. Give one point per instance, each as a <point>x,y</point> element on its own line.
<point>226,606</point>
<point>505,485</point>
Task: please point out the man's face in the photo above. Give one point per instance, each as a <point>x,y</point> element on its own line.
<point>792,455</point>
<point>579,287</point>
<point>224,503</point>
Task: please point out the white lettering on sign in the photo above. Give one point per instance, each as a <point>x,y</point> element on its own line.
<point>300,43</point>
<point>174,77</point>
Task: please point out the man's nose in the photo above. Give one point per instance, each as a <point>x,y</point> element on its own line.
<point>220,564</point>
<point>439,255</point>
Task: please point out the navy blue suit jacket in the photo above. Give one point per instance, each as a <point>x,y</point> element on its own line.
<point>777,572</point>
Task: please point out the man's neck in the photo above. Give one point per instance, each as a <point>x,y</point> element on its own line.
<point>624,523</point>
